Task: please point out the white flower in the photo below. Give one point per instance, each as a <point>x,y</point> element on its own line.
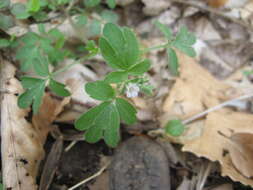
<point>132,90</point>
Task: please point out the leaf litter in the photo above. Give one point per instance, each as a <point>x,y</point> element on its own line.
<point>194,91</point>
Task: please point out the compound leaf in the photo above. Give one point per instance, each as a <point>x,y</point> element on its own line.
<point>140,68</point>
<point>126,111</point>
<point>58,88</point>
<point>116,77</point>
<point>100,90</point>
<point>88,118</point>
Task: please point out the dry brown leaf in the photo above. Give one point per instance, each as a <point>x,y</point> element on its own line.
<point>222,131</point>
<point>22,142</point>
<point>222,141</point>
<point>194,91</point>
<point>241,152</point>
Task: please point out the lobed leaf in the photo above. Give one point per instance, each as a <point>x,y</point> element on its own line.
<point>88,119</point>
<point>140,68</point>
<point>116,77</point>
<point>126,111</point>
<point>164,29</point>
<point>58,88</point>
<point>100,90</point>
<point>173,61</point>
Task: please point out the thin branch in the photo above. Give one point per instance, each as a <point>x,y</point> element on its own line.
<point>224,104</point>
<point>91,177</point>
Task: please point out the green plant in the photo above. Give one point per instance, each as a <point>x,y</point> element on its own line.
<point>119,48</point>
<point>183,41</point>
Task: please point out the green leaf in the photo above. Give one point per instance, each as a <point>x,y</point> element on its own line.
<point>111,126</point>
<point>4,43</point>
<point>112,58</point>
<point>173,61</point>
<point>91,47</point>
<point>175,128</point>
<point>131,51</point>
<point>30,82</point>
<point>19,10</point>
<point>185,37</point>
<point>81,20</point>
<point>5,22</point>
<point>100,90</point>
<point>4,3</point>
<point>88,118</point>
<point>93,134</point>
<point>120,48</point>
<point>41,65</point>
<point>111,3</point>
<point>140,68</point>
<point>58,88</point>
<point>91,3</point>
<point>147,89</point>
<point>184,40</point>
<point>34,93</point>
<point>164,29</point>
<point>126,111</point>
<point>95,28</point>
<point>114,36</point>
<point>185,49</point>
<point>33,6</point>
<point>116,77</point>
<point>109,16</point>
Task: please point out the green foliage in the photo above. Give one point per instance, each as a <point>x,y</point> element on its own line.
<point>109,16</point>
<point>126,111</point>
<point>111,3</point>
<point>116,77</point>
<point>33,6</point>
<point>175,128</point>
<point>34,92</point>
<point>4,4</point>
<point>119,47</point>
<point>5,22</point>
<point>173,61</point>
<point>100,90</point>
<point>4,43</point>
<point>19,11</point>
<point>91,3</point>
<point>183,41</point>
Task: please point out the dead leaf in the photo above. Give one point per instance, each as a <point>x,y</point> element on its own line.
<point>240,149</point>
<point>233,153</point>
<point>22,141</point>
<point>194,91</point>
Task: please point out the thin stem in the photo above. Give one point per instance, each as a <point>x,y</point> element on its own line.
<point>71,65</point>
<point>227,103</point>
<point>154,48</point>
<point>91,177</point>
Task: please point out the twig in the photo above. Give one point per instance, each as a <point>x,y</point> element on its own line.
<point>214,11</point>
<point>91,177</point>
<point>70,146</point>
<point>227,103</point>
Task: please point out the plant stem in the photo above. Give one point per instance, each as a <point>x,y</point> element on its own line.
<point>154,48</point>
<point>70,65</point>
<point>227,103</point>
